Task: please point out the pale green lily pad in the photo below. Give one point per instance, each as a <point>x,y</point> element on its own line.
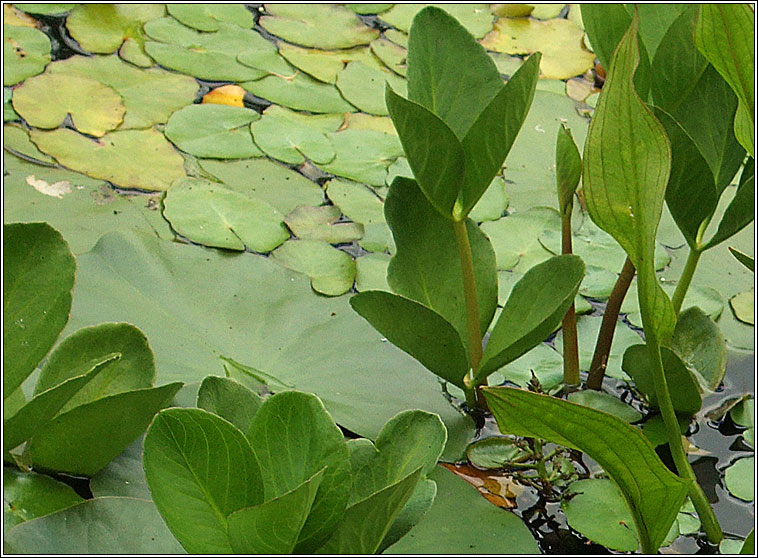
<point>300,92</point>
<point>543,361</point>
<point>547,11</point>
<point>324,123</point>
<point>559,40</point>
<point>90,210</point>
<point>506,64</point>
<point>26,52</point>
<point>397,37</point>
<point>552,86</point>
<point>362,121</point>
<point>150,95</point>
<point>46,9</point>
<point>492,204</point>
<point>102,28</point>
<point>515,238</point>
<point>605,402</point>
<point>394,56</point>
<point>364,86</point>
<point>317,25</point>
<point>709,300</point>
<point>363,155</point>
<point>124,476</point>
<point>476,18</point>
<point>377,238</point>
<point>743,414</point>
<point>371,273</point>
<point>331,271</point>
<point>285,139</point>
<point>45,101</point>
<point>587,329</point>
<point>356,201</point>
<point>400,167</point>
<point>8,112</point>
<point>206,17</point>
<point>16,139</point>
<point>213,131</point>
<point>743,306</point>
<point>320,223</point>
<point>492,453</point>
<point>141,159</point>
<point>212,215</point>
<point>365,9</point>
<point>324,65</point>
<point>211,56</point>
<point>739,478</point>
<point>598,282</point>
<point>267,181</point>
<point>131,51</point>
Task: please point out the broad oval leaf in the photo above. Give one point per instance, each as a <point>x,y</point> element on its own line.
<point>700,344</point>
<point>652,492</point>
<point>27,496</point>
<point>38,277</point>
<point>194,484</point>
<point>229,400</point>
<point>568,168</point>
<point>533,311</point>
<point>416,329</point>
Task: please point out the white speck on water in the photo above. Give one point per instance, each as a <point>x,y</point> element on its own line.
<point>384,339</point>
<point>540,129</point>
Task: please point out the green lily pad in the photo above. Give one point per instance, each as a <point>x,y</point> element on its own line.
<point>371,273</point>
<point>598,282</point>
<point>290,141</point>
<point>743,306</point>
<point>332,271</point>
<point>102,28</point>
<point>492,204</point>
<point>739,478</point>
<point>140,159</point>
<point>320,223</point>
<point>212,215</point>
<point>26,52</point>
<point>394,56</point>
<point>709,300</point>
<point>324,65</point>
<point>150,95</point>
<point>324,123</point>
<point>211,56</point>
<point>132,51</point>
<point>543,361</point>
<point>547,11</point>
<point>316,25</point>
<point>300,92</point>
<point>214,131</point>
<point>364,86</point>
<point>16,139</point>
<point>476,18</point>
<point>559,40</point>
<point>8,112</point>
<point>124,476</point>
<point>377,237</point>
<point>605,402</point>
<point>267,181</point>
<point>507,279</point>
<point>365,9</point>
<point>743,414</point>
<point>400,38</point>
<point>46,9</point>
<point>45,101</point>
<point>206,17</point>
<point>356,201</point>
<point>362,121</point>
<point>492,453</point>
<point>515,238</point>
<point>363,155</point>
<point>28,496</point>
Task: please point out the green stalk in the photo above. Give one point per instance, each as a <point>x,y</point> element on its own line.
<point>472,311</point>
<point>696,494</point>
<point>686,278</point>
<point>570,337</point>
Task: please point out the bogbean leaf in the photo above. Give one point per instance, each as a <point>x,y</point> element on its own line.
<point>605,402</point>
<point>194,484</point>
<point>84,440</point>
<point>414,511</point>
<point>741,210</point>
<point>27,496</point>
<point>743,258</point>
<point>700,344</point>
<point>296,425</point>
<point>652,493</point>
<point>229,400</point>
<point>45,405</point>
<point>624,189</point>
<point>38,278</point>
<point>568,168</point>
<point>534,310</point>
<point>744,130</point>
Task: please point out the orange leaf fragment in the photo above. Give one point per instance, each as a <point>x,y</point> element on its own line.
<point>231,95</point>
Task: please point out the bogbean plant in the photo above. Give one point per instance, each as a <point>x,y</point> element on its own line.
<point>648,143</point>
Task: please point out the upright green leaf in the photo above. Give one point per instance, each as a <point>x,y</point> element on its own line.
<point>568,168</point>
<point>200,469</point>
<point>38,277</point>
<point>741,210</point>
<point>229,400</point>
<point>743,258</point>
<point>27,496</point>
<point>533,311</point>
<point>293,438</point>
<point>653,493</point>
<point>627,158</point>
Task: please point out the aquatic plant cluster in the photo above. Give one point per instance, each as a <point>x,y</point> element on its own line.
<point>366,252</point>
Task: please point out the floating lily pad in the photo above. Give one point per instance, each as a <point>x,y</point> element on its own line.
<point>324,65</point>
<point>739,478</point>
<point>322,122</point>
<point>506,64</point>
<point>362,121</point>
<point>290,141</point>
<point>132,51</point>
<point>140,159</point>
<point>8,112</point>
<point>371,273</point>
<point>394,56</point>
<point>232,95</point>
<point>363,155</point>
<point>743,306</point>
<point>267,181</point>
<point>150,95</point>
<point>212,215</point>
<point>13,16</point>
<point>400,167</point>
<point>320,223</point>
<point>377,237</point>
<point>211,56</point>
<point>397,37</point>
<point>543,361</point>
<point>214,131</point>
<point>364,86</point>
<point>492,204</point>
<point>317,25</point>
<point>206,17</point>
<point>26,52</point>
<point>45,101</point>
<point>365,9</point>
<point>356,201</point>
<point>547,11</point>
<point>27,496</point>
<point>743,414</point>
<point>476,18</point>
<point>331,271</point>
<point>701,346</point>
<point>515,237</point>
<point>16,139</point>
<point>492,453</point>
<point>46,9</point>
<point>300,92</point>
<point>706,298</point>
<point>559,40</point>
<point>598,282</point>
<point>102,28</point>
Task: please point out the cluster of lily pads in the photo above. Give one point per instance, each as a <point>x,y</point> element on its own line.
<point>153,139</point>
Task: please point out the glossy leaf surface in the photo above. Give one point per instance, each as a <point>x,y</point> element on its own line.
<point>230,400</point>
<point>27,496</point>
<point>568,168</point>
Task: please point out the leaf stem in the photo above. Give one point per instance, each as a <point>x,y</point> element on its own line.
<point>686,278</point>
<point>472,308</point>
<point>702,506</point>
<point>608,326</point>
<point>570,337</point>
